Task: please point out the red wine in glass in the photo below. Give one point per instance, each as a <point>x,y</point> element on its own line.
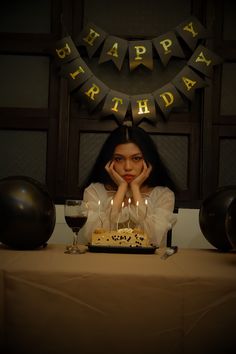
<point>76,222</point>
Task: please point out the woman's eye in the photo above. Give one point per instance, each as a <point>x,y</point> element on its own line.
<point>117,159</point>
<point>137,158</point>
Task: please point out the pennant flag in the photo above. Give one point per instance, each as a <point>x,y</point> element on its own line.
<point>92,92</point>
<point>114,49</point>
<point>64,50</point>
<point>143,106</point>
<point>203,60</point>
<point>116,103</point>
<point>91,37</point>
<point>187,81</point>
<point>191,31</point>
<point>140,52</point>
<point>77,72</point>
<point>167,98</point>
<point>167,46</point>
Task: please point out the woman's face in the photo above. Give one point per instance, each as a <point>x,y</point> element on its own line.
<point>128,161</point>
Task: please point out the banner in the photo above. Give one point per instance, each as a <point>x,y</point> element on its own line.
<point>77,72</point>
<point>187,81</point>
<point>64,51</point>
<point>140,52</point>
<point>203,60</point>
<point>114,49</point>
<point>167,98</point>
<point>91,38</point>
<point>191,31</point>
<point>93,93</point>
<point>167,46</point>
<point>117,104</point>
<point>143,106</point>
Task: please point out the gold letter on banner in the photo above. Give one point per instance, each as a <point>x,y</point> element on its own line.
<point>189,28</point>
<point>167,98</point>
<point>65,51</point>
<point>91,37</point>
<point>94,90</point>
<point>187,81</point>
<point>116,103</point>
<point>167,46</point>
<point>191,31</point>
<point>140,52</point>
<point>76,72</point>
<point>143,106</point>
<point>203,60</point>
<point>114,49</point>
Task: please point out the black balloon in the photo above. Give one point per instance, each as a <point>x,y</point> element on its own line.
<point>212,217</point>
<point>230,223</point>
<point>27,213</point>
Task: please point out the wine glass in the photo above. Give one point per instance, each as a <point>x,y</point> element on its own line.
<point>76,214</point>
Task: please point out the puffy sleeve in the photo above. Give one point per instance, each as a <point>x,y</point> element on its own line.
<point>98,215</point>
<point>158,216</point>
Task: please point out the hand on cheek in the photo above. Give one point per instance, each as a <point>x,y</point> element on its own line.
<point>141,178</point>
<point>113,174</point>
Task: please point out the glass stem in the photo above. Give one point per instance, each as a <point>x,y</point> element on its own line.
<point>75,239</point>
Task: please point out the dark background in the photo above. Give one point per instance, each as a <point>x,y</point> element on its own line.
<point>47,134</point>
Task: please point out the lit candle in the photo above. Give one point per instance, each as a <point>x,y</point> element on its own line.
<point>110,213</point>
<point>129,202</point>
<point>137,212</point>
<point>99,213</point>
<point>120,215</point>
<point>122,207</point>
<point>146,204</point>
<point>137,204</point>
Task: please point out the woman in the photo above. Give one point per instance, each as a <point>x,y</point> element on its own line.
<point>129,186</point>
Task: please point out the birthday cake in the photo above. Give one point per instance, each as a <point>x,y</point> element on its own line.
<point>126,237</point>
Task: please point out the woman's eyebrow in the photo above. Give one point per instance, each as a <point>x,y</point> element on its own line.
<point>133,155</point>
<point>115,155</point>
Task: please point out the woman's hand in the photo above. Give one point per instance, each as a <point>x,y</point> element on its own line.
<point>114,175</point>
<point>140,179</point>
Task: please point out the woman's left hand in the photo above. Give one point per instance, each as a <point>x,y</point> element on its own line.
<point>140,179</point>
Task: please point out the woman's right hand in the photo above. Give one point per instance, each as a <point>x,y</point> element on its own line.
<point>114,175</point>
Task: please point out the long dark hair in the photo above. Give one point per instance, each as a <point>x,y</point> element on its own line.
<point>159,175</point>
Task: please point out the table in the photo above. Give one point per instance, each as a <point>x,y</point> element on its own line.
<point>51,302</point>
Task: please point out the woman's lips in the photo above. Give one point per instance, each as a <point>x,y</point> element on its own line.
<point>128,178</point>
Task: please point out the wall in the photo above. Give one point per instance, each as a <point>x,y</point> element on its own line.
<point>186,232</point>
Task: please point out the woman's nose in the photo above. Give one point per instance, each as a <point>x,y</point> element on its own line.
<point>128,165</point>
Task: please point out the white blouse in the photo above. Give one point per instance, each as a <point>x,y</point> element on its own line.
<point>156,216</point>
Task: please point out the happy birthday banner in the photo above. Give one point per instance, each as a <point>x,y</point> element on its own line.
<point>87,88</point>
